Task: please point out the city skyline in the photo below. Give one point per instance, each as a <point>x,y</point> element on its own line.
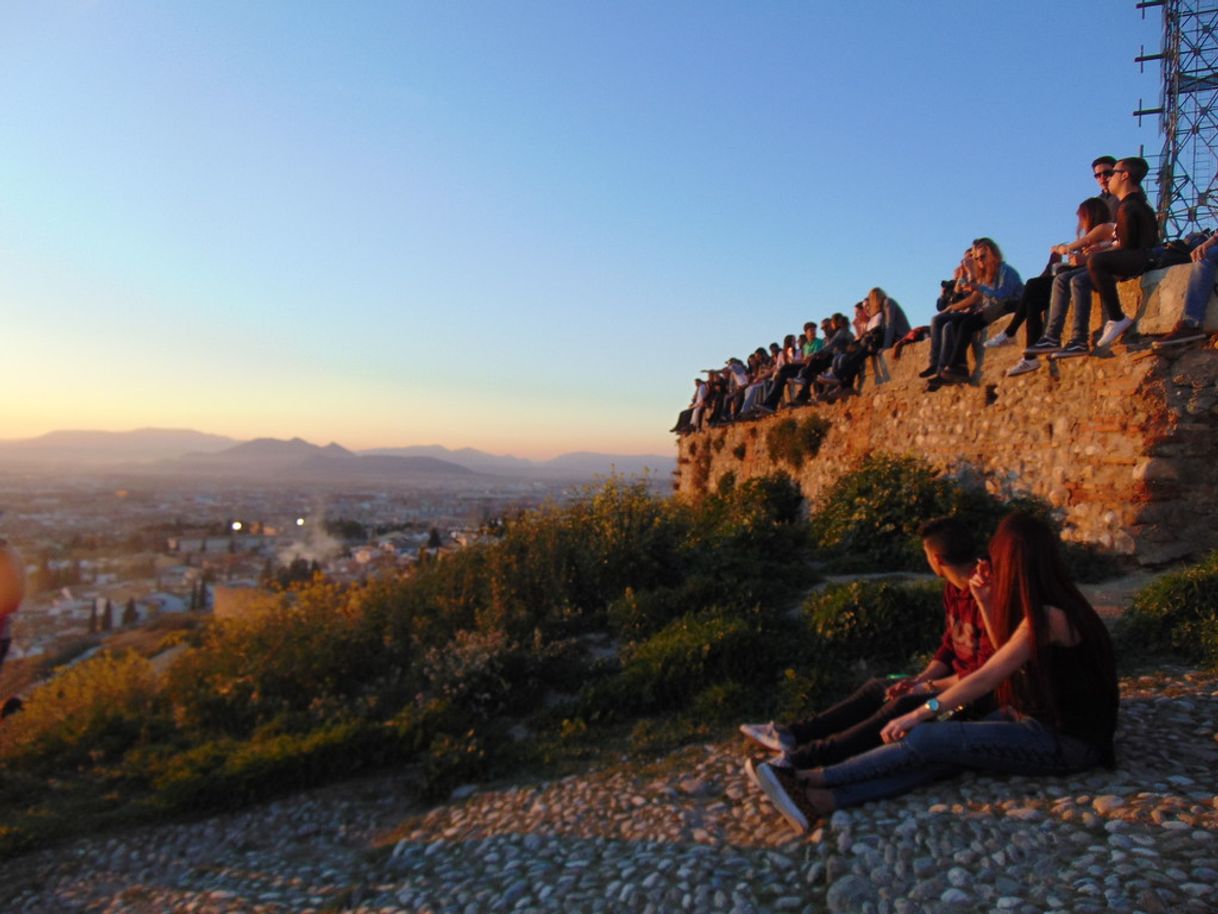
<point>522,230</point>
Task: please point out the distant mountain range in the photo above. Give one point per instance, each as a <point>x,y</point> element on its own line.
<point>574,464</point>
<point>192,452</point>
<point>97,448</point>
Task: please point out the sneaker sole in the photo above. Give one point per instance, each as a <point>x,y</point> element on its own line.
<point>772,745</point>
<point>1068,355</point>
<point>781,799</point>
<point>1100,344</point>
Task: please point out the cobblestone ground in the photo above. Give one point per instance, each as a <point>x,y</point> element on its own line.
<point>690,834</point>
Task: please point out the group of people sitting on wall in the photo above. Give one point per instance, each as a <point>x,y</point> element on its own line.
<point>1023,682</point>
<point>1117,238</point>
<point>806,367</point>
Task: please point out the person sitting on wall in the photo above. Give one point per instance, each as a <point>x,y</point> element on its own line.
<point>812,343</point>
<point>837,339</point>
<point>690,419</point>
<point>1191,327</point>
<point>954,297</point>
<point>886,323</point>
<point>737,382</point>
<point>792,364</point>
<point>762,368</point>
<point>994,291</point>
<point>1052,289</point>
<point>853,725</point>
<point>1101,170</point>
<point>1137,233</point>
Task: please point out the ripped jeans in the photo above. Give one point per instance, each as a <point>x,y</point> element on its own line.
<point>933,751</point>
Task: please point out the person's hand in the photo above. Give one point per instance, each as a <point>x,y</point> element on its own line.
<point>1198,253</point>
<point>899,688</point>
<point>982,583</point>
<point>1063,249</point>
<point>898,728</point>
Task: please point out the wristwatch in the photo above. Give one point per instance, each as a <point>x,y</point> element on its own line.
<point>932,706</point>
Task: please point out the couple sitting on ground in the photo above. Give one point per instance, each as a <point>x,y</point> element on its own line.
<point>1024,682</point>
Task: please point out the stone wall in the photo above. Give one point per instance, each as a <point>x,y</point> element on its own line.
<point>1120,443</point>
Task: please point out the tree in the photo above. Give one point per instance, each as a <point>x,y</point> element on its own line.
<point>107,620</point>
<point>433,539</point>
<point>93,619</point>
<point>130,616</point>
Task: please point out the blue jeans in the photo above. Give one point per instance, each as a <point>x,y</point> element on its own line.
<point>933,751</point>
<point>1070,285</point>
<point>1200,286</point>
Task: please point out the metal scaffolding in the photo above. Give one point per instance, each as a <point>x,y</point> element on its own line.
<point>1188,169</point>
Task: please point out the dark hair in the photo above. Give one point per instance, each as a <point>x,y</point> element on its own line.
<point>1094,211</point>
<point>1104,160</point>
<point>1136,168</point>
<point>1029,576</point>
<point>950,539</point>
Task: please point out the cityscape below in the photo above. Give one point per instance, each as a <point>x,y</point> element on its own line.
<point>122,531</point>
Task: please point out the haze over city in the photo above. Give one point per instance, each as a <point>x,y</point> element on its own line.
<point>520,228</point>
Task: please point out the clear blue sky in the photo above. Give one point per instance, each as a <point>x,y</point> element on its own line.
<point>522,227</point>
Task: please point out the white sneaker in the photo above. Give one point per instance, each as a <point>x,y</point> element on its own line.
<point>1113,331</point>
<point>788,805</point>
<point>998,339</point>
<point>770,735</point>
<point>780,761</point>
<point>1023,366</point>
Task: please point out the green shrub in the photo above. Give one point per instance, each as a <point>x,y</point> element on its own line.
<point>699,650</point>
<point>723,702</point>
<point>229,773</point>
<point>92,713</point>
<point>869,519</point>
<point>1177,614</point>
<point>794,441</point>
<point>305,655</point>
<point>879,623</point>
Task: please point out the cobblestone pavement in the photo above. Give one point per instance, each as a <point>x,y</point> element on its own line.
<point>690,834</point>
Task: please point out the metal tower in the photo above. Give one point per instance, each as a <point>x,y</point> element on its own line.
<point>1188,116</point>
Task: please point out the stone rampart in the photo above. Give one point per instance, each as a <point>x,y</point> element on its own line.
<point>1122,443</point>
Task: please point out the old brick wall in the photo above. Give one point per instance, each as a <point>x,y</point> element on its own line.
<point>1124,444</point>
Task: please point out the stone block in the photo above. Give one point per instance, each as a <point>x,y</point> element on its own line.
<point>1157,298</point>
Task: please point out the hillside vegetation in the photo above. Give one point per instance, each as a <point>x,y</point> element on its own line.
<point>621,622</point>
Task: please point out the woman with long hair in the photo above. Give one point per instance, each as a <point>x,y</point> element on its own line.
<point>993,291</point>
<point>1054,672</point>
<point>1094,233</point>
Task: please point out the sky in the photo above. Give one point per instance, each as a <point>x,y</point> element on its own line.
<point>521,227</point>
